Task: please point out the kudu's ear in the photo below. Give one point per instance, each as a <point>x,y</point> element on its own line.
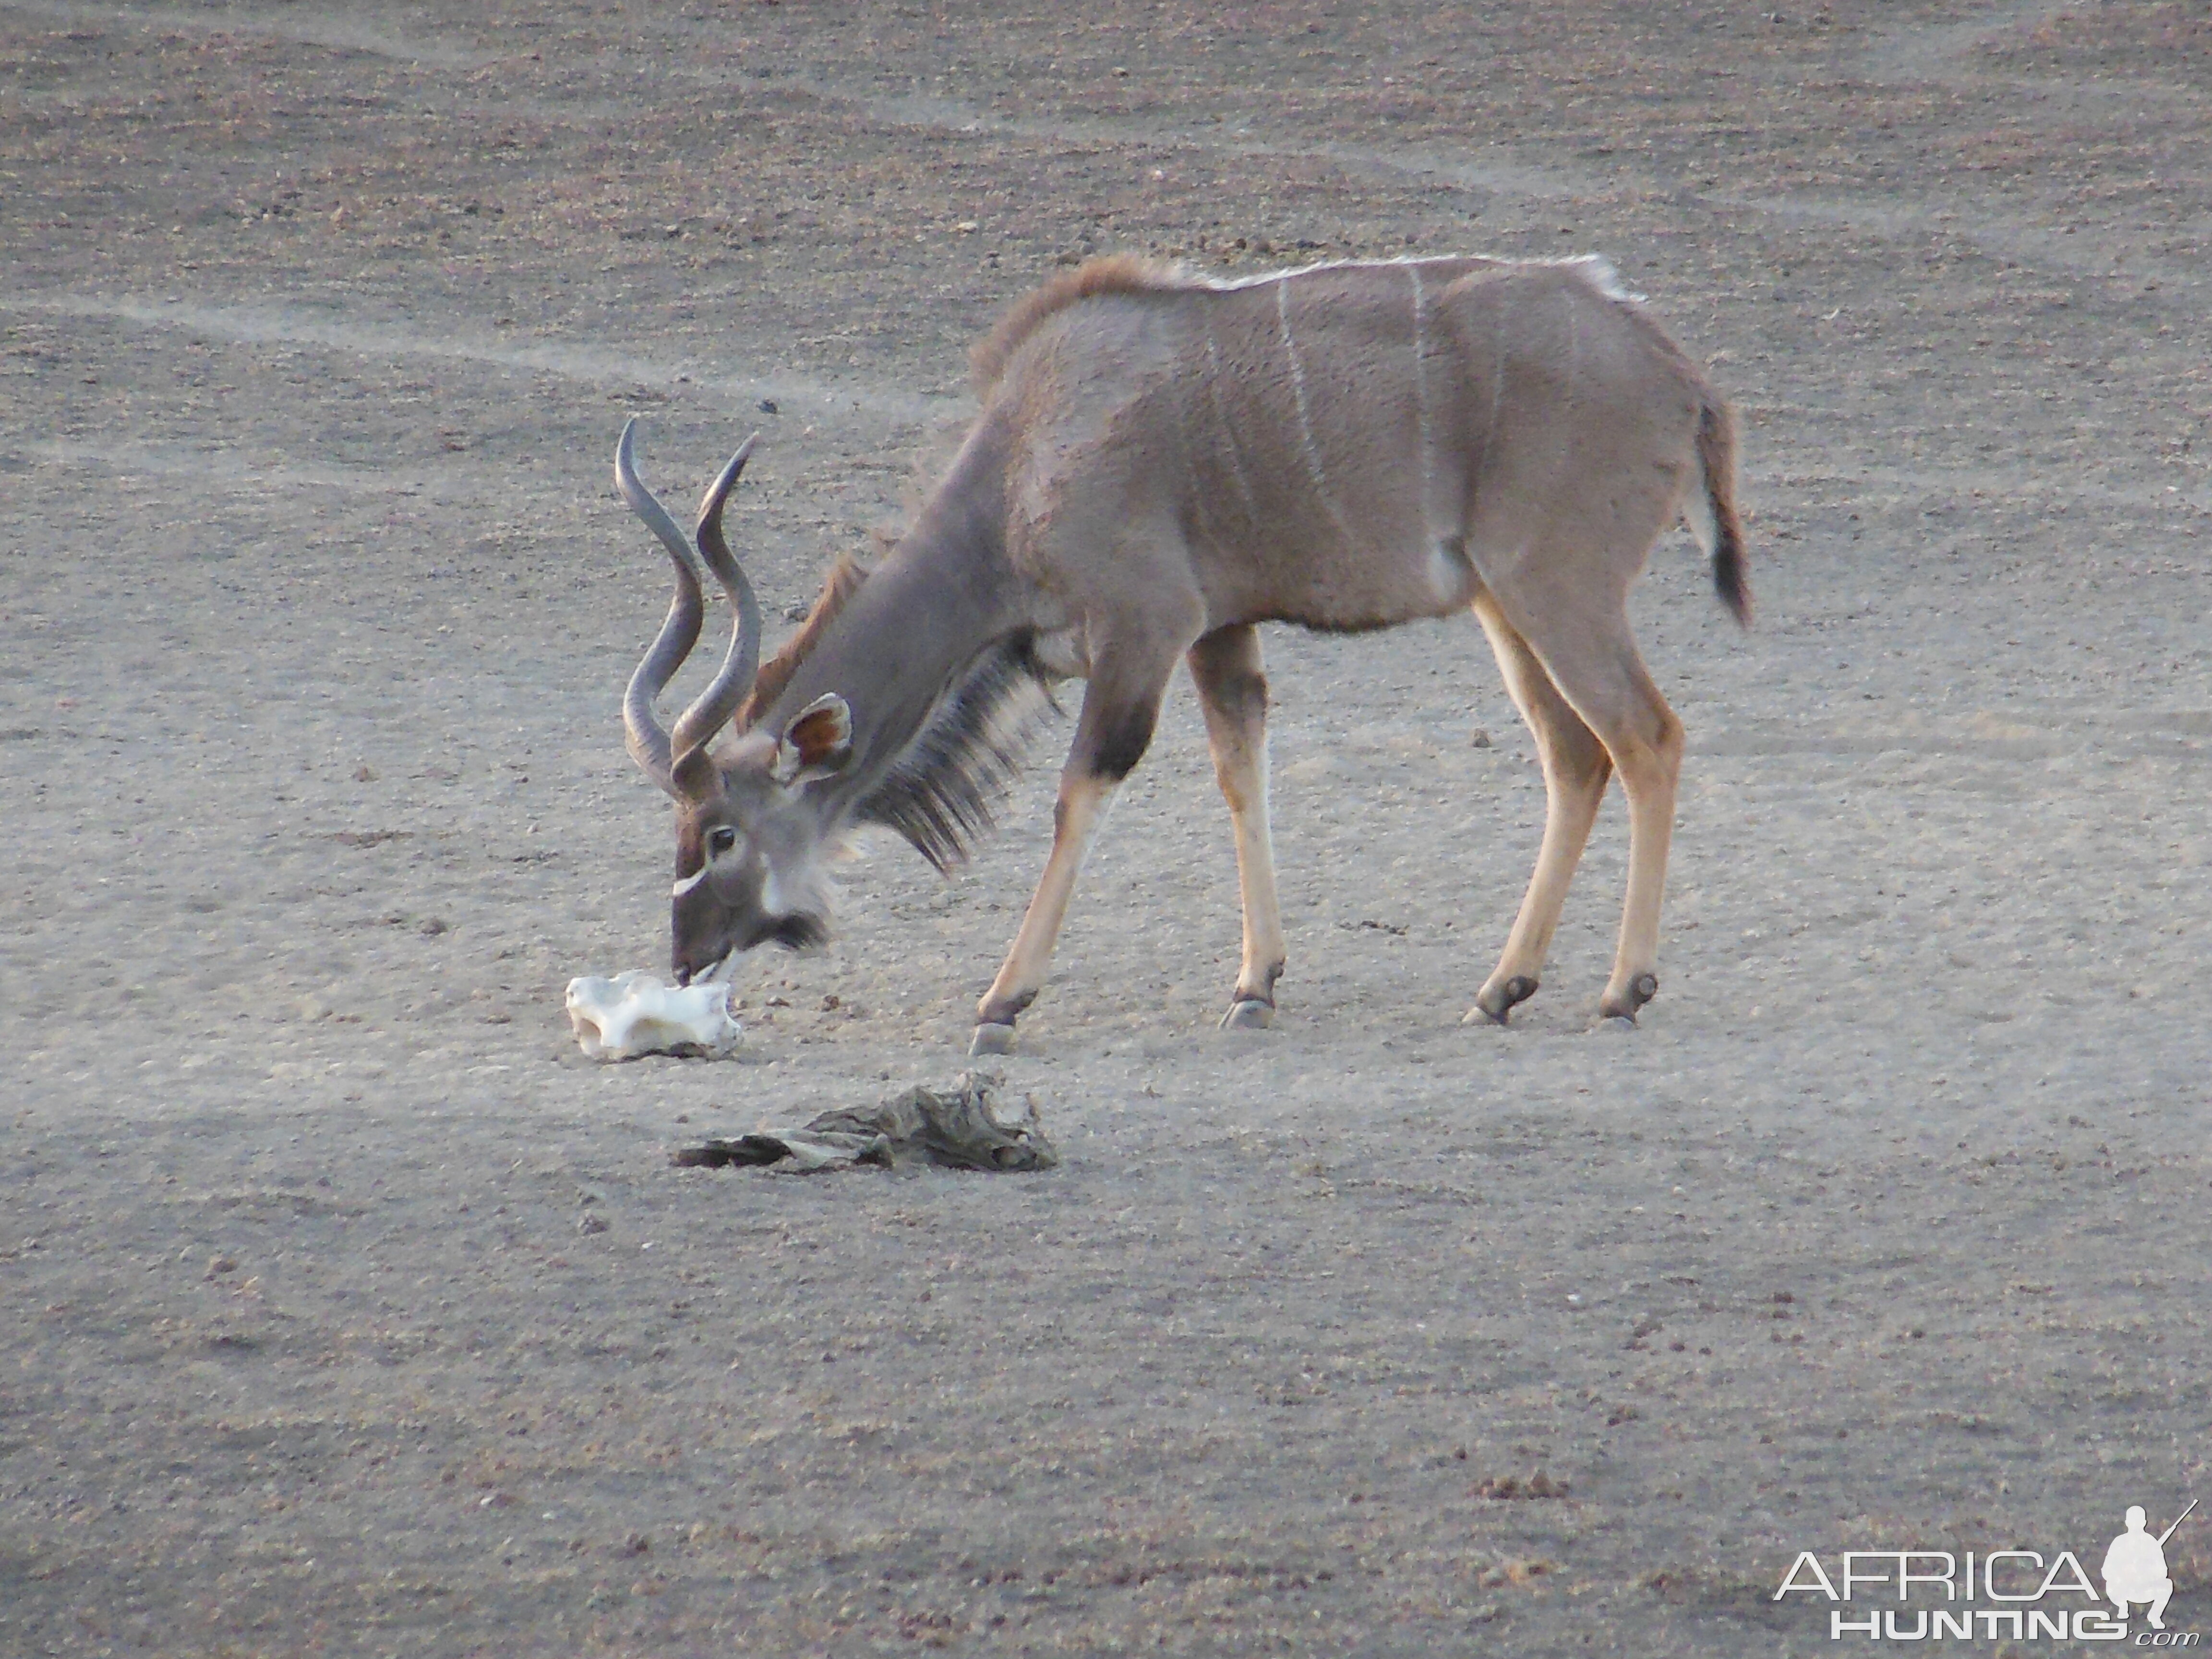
<point>818,742</point>
<point>694,775</point>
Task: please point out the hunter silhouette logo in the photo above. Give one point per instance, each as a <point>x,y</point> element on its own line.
<point>2011,1595</point>
<point>2135,1566</point>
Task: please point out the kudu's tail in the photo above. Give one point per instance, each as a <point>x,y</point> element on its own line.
<point>1711,509</point>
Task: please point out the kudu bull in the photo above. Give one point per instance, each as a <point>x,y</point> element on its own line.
<point>1163,462</point>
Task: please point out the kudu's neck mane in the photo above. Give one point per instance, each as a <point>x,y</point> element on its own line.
<point>845,579</point>
<point>940,672</point>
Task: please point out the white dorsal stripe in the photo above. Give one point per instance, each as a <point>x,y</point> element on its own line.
<point>1597,270</point>
<point>1261,279</point>
<point>1592,268</point>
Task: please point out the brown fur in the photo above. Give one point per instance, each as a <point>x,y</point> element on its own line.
<point>1162,465</point>
<point>1116,273</point>
<point>845,579</point>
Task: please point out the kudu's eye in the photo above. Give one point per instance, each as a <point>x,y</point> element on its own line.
<point>719,840</point>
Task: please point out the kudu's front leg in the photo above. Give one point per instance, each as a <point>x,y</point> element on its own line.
<point>1121,707</point>
<point>1076,815</point>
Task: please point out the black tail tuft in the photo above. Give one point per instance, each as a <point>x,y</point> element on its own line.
<point>1729,577</point>
<point>1716,457</point>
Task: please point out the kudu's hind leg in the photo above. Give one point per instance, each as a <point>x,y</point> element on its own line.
<point>1120,706</point>
<point>1232,693</point>
<point>1576,768</point>
<point>1592,660</point>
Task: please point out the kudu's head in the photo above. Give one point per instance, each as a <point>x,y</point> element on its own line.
<point>751,836</point>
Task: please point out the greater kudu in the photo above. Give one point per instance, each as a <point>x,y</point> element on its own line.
<point>1161,464</point>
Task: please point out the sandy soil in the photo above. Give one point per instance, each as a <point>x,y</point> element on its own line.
<point>352,1312</point>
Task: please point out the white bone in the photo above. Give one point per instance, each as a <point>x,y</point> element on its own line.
<point>634,1014</point>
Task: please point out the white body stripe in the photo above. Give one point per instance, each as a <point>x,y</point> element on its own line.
<point>1305,414</point>
<point>1497,383</point>
<point>1221,420</point>
<point>1421,401</point>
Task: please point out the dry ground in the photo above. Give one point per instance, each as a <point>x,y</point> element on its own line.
<point>1888,1227</point>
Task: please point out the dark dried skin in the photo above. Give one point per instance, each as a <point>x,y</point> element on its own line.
<point>951,1128</point>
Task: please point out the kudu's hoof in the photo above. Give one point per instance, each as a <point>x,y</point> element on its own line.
<point>1616,1023</point>
<point>1247,1014</point>
<point>991,1038</point>
<point>1496,1002</point>
<point>1641,990</point>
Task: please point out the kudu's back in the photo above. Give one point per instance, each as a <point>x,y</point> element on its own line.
<point>1349,447</point>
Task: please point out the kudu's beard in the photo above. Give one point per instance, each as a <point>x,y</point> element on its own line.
<point>797,932</point>
<point>793,933</point>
